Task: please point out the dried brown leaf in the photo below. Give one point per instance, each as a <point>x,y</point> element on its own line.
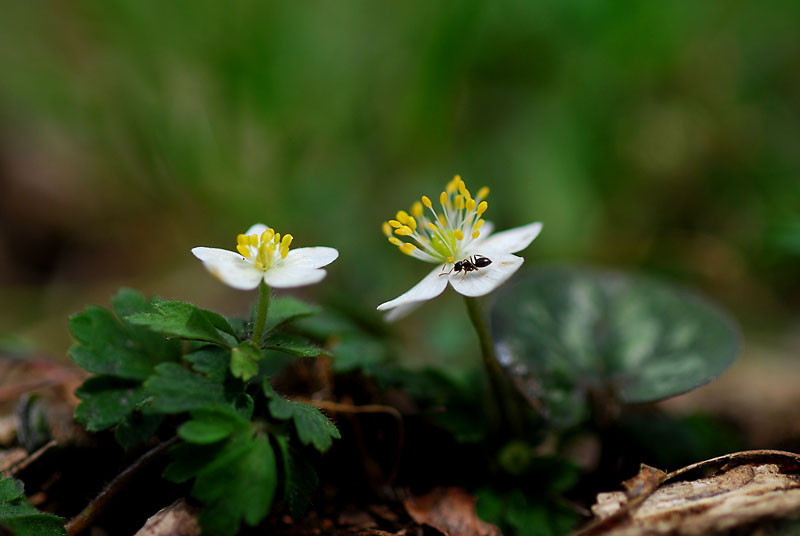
<point>451,511</point>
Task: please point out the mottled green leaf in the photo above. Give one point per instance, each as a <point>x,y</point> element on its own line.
<point>107,401</point>
<point>566,335</point>
<point>292,345</point>
<point>311,425</point>
<point>244,360</point>
<point>211,361</point>
<point>185,321</point>
<point>22,518</point>
<point>107,345</point>
<point>174,390</point>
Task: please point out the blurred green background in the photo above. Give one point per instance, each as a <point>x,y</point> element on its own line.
<point>655,136</point>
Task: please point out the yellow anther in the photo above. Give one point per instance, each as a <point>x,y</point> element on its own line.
<point>403,216</point>
<point>442,219</point>
<point>403,231</point>
<point>277,239</point>
<point>267,235</point>
<point>452,186</point>
<point>416,209</point>
<point>459,202</point>
<point>241,240</point>
<point>476,234</point>
<point>470,204</point>
<point>482,193</point>
<point>458,234</point>
<point>396,224</point>
<point>451,260</point>
<point>285,243</point>
<point>427,201</point>
<point>478,224</point>
<point>431,226</point>
<point>252,240</point>
<point>443,199</point>
<point>386,228</point>
<point>482,208</point>
<point>463,188</point>
<point>396,241</point>
<point>407,248</point>
<point>243,249</point>
<point>411,222</point>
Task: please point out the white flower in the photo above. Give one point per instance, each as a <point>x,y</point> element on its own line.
<point>460,242</point>
<point>264,255</point>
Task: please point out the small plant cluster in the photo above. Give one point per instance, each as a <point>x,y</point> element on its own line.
<point>562,348</point>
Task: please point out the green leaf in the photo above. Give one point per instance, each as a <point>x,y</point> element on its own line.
<point>235,477</point>
<point>283,310</point>
<point>107,401</point>
<point>22,518</point>
<point>244,360</point>
<point>292,345</point>
<point>107,345</point>
<point>175,390</point>
<point>567,335</point>
<point>185,321</point>
<point>137,428</point>
<point>301,478</point>
<point>311,425</point>
<point>211,361</point>
<point>210,426</point>
<point>358,352</point>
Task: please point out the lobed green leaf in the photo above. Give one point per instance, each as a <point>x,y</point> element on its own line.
<point>185,321</point>
<point>107,401</point>
<point>22,518</point>
<point>313,428</point>
<point>244,360</point>
<point>175,390</point>
<point>292,345</point>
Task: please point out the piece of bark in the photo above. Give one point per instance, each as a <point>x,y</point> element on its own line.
<point>177,519</point>
<point>748,492</point>
<point>451,511</point>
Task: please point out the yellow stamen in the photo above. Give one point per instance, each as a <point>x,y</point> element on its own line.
<point>411,222</point>
<point>463,189</point>
<point>285,243</point>
<point>267,235</point>
<point>386,228</point>
<point>452,186</point>
<point>432,226</point>
<point>408,248</point>
<point>458,234</point>
<point>252,240</point>
<point>243,250</point>
<point>451,260</point>
<point>241,240</point>
<point>427,201</point>
<point>442,219</point>
<point>482,193</point>
<point>470,204</point>
<point>476,234</point>
<point>277,238</point>
<point>443,199</point>
<point>482,208</point>
<point>396,224</point>
<point>459,202</point>
<point>478,224</point>
<point>403,216</point>
<point>403,231</point>
<point>416,209</point>
<point>396,241</point>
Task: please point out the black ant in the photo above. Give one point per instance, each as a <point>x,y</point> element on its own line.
<point>470,264</point>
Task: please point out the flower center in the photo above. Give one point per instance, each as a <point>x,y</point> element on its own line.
<point>443,235</point>
<point>263,250</point>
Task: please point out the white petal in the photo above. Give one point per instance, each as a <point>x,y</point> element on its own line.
<point>308,258</point>
<point>509,241</point>
<point>283,277</point>
<point>423,256</point>
<point>229,267</point>
<point>256,229</point>
<point>431,286</point>
<point>402,311</point>
<point>484,280</point>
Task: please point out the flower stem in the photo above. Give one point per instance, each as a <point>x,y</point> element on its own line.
<point>261,316</point>
<point>505,407</point>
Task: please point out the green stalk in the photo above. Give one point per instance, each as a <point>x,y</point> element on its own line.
<point>507,412</point>
<point>261,316</point>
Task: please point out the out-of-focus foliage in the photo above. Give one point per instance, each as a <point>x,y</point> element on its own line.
<point>654,134</point>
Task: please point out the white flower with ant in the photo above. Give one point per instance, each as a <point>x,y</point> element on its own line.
<point>263,255</point>
<point>468,257</point>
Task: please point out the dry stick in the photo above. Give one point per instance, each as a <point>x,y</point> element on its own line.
<point>337,407</point>
<point>31,458</point>
<point>81,521</point>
